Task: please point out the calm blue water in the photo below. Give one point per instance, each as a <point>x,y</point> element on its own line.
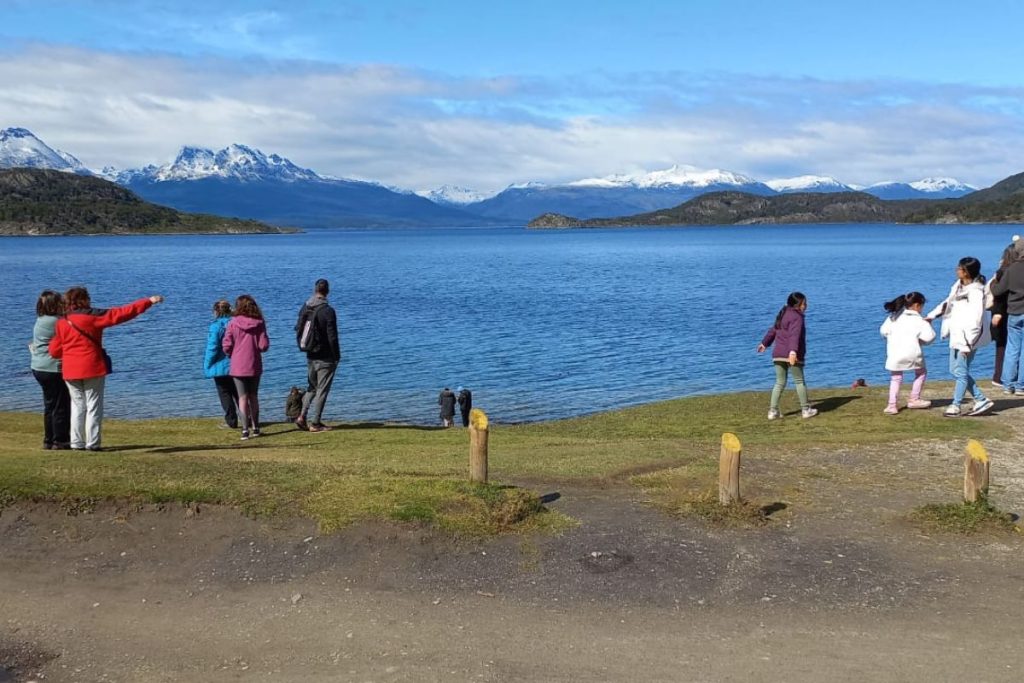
<point>539,324</point>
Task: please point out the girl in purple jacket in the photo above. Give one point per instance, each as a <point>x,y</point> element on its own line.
<point>245,342</point>
<point>790,338</point>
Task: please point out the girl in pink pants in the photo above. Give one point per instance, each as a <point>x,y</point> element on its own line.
<point>905,332</point>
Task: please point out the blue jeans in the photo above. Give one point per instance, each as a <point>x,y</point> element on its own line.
<point>1011,361</point>
<point>960,368</point>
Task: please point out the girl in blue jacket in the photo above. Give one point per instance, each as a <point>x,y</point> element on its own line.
<point>216,364</point>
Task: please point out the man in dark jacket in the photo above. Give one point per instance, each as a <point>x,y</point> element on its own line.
<point>1010,284</point>
<point>317,332</point>
<point>465,398</point>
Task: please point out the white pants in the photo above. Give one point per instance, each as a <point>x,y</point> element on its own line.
<point>86,411</point>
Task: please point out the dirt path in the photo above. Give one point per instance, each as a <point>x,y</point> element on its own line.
<point>838,586</point>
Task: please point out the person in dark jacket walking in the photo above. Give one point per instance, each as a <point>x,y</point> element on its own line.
<point>997,307</point>
<point>465,399</point>
<point>1010,283</point>
<point>317,333</point>
<point>790,338</point>
<point>446,399</point>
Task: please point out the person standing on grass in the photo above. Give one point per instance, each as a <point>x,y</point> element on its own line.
<point>905,332</point>
<point>78,344</point>
<point>790,338</point>
<point>217,365</point>
<point>317,334</point>
<point>245,342</point>
<point>46,370</point>
<point>1010,283</point>
<point>963,322</point>
<point>446,399</point>
<point>465,399</point>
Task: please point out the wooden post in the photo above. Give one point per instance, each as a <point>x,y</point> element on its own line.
<point>729,470</point>
<point>976,468</point>
<point>478,446</point>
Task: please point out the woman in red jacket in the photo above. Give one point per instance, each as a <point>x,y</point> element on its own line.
<point>78,343</point>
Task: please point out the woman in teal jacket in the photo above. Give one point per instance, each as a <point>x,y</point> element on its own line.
<point>216,364</point>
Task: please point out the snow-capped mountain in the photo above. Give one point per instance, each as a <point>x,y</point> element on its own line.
<point>614,195</point>
<point>453,195</point>
<point>808,183</point>
<point>20,148</point>
<point>236,162</point>
<point>928,188</point>
<point>675,176</point>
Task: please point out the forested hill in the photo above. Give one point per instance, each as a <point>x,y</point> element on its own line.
<point>44,202</point>
<point>1001,203</point>
<point>740,208</point>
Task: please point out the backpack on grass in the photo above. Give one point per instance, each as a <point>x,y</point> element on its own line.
<point>293,404</point>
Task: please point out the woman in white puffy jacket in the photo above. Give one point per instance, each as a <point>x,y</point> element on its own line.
<point>905,332</point>
<point>964,323</point>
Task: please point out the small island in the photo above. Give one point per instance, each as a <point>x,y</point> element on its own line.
<point>43,202</point>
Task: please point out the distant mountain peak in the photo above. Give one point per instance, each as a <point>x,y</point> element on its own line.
<point>454,195</point>
<point>808,183</point>
<point>236,161</point>
<point>676,175</point>
<point>19,147</point>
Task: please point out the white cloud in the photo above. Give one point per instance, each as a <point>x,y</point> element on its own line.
<point>418,130</point>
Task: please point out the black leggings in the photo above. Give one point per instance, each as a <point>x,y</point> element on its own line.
<point>56,408</point>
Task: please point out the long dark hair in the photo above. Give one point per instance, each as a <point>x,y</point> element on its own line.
<point>246,306</point>
<point>903,301</point>
<point>972,267</point>
<point>792,301</point>
<point>50,303</point>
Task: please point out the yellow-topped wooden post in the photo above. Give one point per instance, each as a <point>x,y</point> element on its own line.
<point>729,470</point>
<point>478,446</point>
<point>976,470</point>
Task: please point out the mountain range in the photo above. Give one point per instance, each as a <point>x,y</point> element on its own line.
<point>244,182</point>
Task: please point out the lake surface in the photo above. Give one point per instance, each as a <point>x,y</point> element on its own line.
<point>539,324</point>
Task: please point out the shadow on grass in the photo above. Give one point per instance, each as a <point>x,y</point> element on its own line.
<point>827,405</point>
<point>771,508</point>
<point>170,450</point>
<point>385,425</point>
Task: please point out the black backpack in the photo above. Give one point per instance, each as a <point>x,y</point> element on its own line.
<point>307,331</point>
<point>293,404</point>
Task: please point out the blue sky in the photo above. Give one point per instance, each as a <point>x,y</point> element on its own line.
<point>417,94</point>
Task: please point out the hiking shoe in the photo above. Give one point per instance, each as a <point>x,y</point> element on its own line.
<point>952,411</point>
<point>919,403</point>
<point>808,412</point>
<point>982,406</point>
<point>891,409</point>
<point>245,435</point>
<point>300,423</point>
<point>317,428</point>
<point>255,431</point>
<point>774,414</point>
<point>321,427</point>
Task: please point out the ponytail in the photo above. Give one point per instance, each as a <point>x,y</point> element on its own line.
<point>792,301</point>
<point>897,305</point>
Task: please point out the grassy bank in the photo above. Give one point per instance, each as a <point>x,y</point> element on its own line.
<point>377,471</point>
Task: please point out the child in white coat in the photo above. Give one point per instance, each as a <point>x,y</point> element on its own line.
<point>964,322</point>
<point>905,332</point>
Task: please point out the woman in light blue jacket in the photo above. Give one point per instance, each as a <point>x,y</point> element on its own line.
<point>46,370</point>
<point>216,364</point>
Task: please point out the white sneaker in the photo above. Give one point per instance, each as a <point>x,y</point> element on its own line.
<point>808,412</point>
<point>952,411</point>
<point>982,406</point>
<point>774,414</point>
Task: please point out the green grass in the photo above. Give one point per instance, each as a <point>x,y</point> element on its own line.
<point>418,474</point>
<point>963,518</point>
